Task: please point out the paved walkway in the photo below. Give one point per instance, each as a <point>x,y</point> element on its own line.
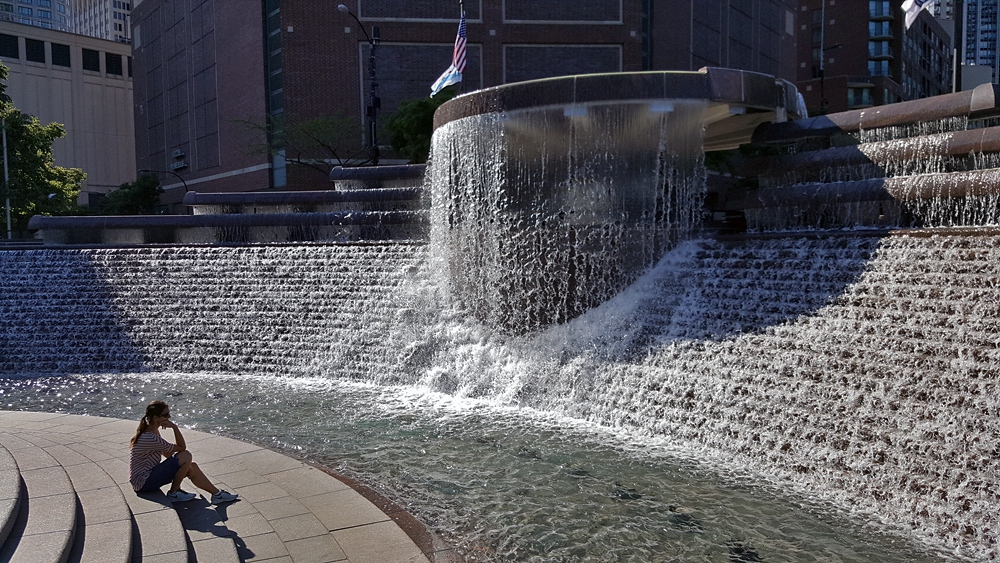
<point>65,496</point>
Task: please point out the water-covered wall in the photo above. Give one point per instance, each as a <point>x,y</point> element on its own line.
<point>546,212</point>
<point>261,309</point>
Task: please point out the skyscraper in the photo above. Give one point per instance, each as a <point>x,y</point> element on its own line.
<point>49,14</point>
<point>980,45</point>
<point>104,19</point>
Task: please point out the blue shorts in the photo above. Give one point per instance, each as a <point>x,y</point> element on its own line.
<point>162,474</point>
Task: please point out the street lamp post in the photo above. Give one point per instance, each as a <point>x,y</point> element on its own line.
<point>148,171</point>
<point>374,103</point>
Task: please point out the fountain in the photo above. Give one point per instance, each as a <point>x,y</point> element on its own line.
<point>841,354</point>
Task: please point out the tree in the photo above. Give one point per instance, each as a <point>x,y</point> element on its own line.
<point>37,186</point>
<point>412,124</point>
<point>318,144</point>
<point>136,198</point>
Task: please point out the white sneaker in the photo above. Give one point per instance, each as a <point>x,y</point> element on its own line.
<point>180,496</point>
<point>224,496</point>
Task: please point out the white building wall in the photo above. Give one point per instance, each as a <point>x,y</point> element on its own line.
<point>94,106</point>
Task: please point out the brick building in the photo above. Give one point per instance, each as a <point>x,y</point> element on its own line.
<point>757,35</point>
<point>205,66</point>
<point>858,54</point>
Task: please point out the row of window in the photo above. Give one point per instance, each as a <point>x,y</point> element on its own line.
<point>34,51</point>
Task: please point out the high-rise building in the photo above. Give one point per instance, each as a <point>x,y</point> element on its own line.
<point>48,14</point>
<point>980,47</point>
<point>104,19</point>
<point>859,54</point>
<point>205,70</point>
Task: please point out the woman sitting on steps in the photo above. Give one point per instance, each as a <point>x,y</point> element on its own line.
<point>147,473</point>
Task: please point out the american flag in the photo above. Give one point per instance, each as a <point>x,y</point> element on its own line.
<point>458,58</point>
<point>454,73</point>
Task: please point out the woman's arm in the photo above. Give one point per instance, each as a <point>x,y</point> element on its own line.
<point>179,445</point>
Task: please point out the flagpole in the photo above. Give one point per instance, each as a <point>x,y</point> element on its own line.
<point>6,175</point>
<point>958,12</point>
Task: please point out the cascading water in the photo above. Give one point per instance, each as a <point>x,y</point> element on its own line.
<point>266,309</point>
<point>578,200</point>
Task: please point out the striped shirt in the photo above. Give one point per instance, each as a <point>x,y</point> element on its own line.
<point>146,454</point>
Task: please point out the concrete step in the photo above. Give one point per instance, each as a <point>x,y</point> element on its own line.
<point>104,522</point>
<point>10,493</point>
<point>46,524</point>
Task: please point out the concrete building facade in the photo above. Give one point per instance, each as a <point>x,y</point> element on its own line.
<point>83,83</point>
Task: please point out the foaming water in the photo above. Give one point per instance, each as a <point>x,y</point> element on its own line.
<point>501,483</point>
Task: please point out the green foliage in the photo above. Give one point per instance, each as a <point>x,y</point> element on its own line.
<point>136,198</point>
<point>37,186</point>
<point>319,144</point>
<point>412,125</point>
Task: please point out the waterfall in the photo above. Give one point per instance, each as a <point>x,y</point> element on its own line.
<point>546,212</point>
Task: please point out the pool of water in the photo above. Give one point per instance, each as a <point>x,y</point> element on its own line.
<point>500,483</point>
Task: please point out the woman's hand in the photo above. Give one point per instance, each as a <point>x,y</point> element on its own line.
<point>168,424</point>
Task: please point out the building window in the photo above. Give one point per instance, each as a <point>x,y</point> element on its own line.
<point>91,60</point>
<point>46,14</point>
<point>60,54</point>
<point>859,97</point>
<point>45,3</point>
<point>34,50</point>
<point>8,47</point>
<point>113,63</point>
<point>879,29</point>
<point>24,11</point>
<point>878,68</point>
<point>878,49</point>
<point>879,9</point>
<point>4,7</point>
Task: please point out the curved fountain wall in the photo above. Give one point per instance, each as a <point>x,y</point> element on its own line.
<point>553,195</point>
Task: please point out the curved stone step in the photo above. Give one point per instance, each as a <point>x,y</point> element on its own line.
<point>104,522</point>
<point>46,523</point>
<point>288,511</point>
<point>10,493</point>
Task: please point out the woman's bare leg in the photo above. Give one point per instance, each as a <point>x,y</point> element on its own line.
<point>185,459</point>
<point>200,480</point>
<point>191,470</point>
